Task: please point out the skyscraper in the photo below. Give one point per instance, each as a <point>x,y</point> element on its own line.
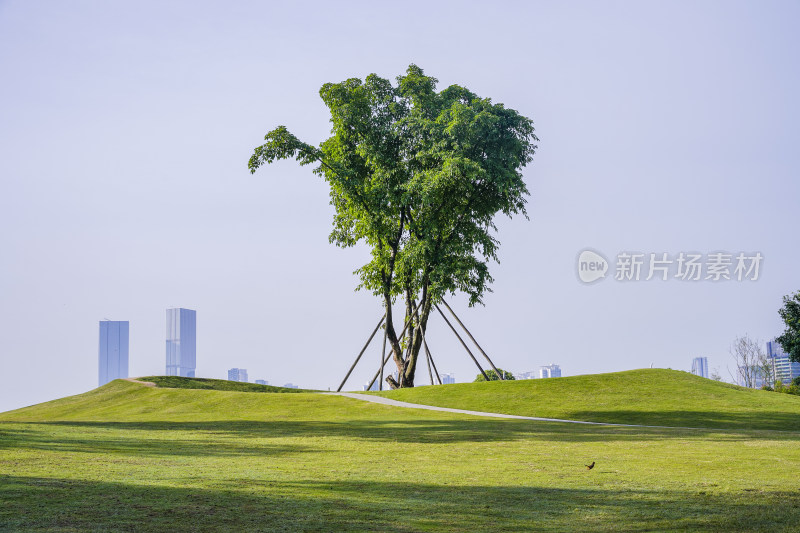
<point>113,352</point>
<point>784,369</point>
<point>238,374</point>
<point>181,342</point>
<point>700,366</point>
<point>448,379</point>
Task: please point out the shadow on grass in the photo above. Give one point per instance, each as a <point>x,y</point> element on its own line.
<point>36,503</point>
<point>746,420</point>
<point>228,438</point>
<point>90,439</point>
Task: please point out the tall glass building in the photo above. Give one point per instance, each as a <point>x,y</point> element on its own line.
<point>785,370</point>
<point>700,366</point>
<point>113,352</point>
<point>181,342</point>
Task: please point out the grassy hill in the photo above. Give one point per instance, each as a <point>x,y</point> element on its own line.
<point>651,396</point>
<point>191,400</point>
<point>175,382</point>
<point>127,457</point>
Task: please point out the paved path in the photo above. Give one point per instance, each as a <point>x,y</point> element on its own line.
<point>395,403</point>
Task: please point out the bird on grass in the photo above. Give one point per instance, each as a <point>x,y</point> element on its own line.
<point>589,467</point>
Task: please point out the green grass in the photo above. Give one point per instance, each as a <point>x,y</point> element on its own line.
<point>127,457</point>
<point>175,382</point>
<point>651,397</point>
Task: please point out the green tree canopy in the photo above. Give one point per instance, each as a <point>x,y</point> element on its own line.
<point>418,176</point>
<point>493,375</point>
<point>790,313</point>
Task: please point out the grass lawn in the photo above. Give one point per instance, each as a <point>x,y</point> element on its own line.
<point>652,397</point>
<point>131,458</point>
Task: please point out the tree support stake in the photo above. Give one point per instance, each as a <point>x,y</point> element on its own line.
<point>364,349</point>
<point>462,343</point>
<point>499,375</point>
<point>402,334</point>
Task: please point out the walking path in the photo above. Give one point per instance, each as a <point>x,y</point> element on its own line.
<point>396,403</point>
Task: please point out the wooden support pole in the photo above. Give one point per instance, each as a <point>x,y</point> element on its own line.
<point>428,357</point>
<point>427,353</point>
<point>435,371</point>
<point>364,349</point>
<point>386,359</point>
<point>463,343</point>
<point>499,375</point>
<point>383,354</point>
<point>430,372</point>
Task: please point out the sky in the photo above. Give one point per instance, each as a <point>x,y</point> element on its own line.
<point>126,127</point>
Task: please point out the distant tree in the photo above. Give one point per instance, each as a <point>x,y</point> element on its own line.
<point>493,375</point>
<point>418,176</point>
<point>751,362</point>
<point>766,368</point>
<point>715,374</point>
<point>790,313</point>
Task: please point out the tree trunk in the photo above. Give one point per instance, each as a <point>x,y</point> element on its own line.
<point>406,363</point>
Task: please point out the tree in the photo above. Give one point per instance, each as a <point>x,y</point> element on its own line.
<point>492,375</point>
<point>752,364</point>
<point>418,176</point>
<point>790,313</point>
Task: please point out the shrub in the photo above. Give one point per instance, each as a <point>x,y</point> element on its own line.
<point>493,375</point>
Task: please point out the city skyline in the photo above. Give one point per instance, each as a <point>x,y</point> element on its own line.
<point>150,113</point>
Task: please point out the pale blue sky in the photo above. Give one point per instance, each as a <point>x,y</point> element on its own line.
<point>125,130</point>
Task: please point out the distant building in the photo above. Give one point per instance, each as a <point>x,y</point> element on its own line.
<point>181,342</point>
<point>700,366</point>
<point>113,352</point>
<point>261,382</point>
<point>550,371</point>
<point>448,378</point>
<point>238,374</point>
<point>759,379</point>
<point>784,369</point>
<point>526,375</point>
<point>290,386</point>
